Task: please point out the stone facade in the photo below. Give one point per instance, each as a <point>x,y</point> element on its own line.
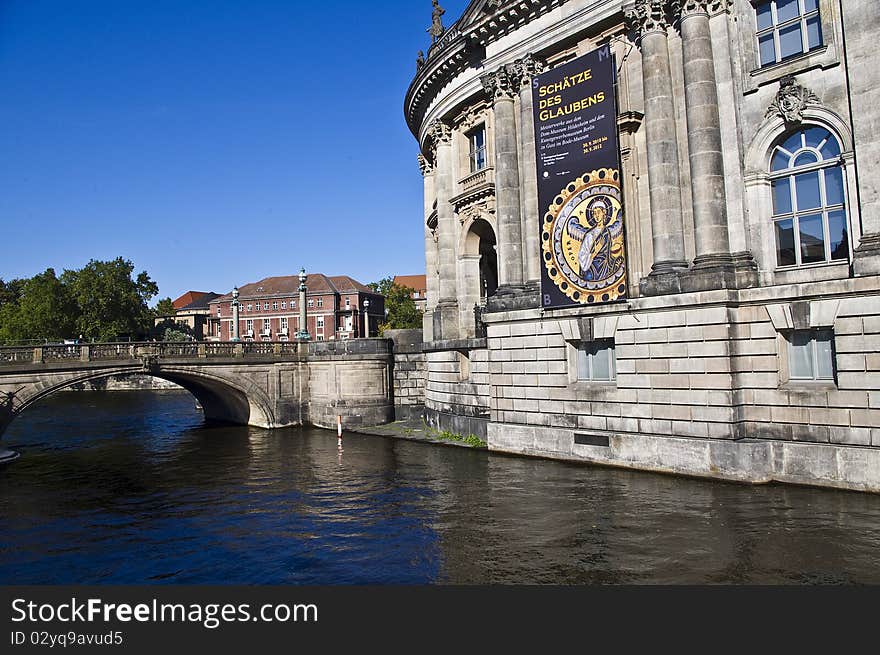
<point>708,377</point>
<point>408,377</point>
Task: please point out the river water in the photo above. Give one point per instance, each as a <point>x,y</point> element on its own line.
<point>129,488</point>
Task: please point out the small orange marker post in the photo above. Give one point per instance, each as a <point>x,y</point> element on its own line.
<point>339,431</point>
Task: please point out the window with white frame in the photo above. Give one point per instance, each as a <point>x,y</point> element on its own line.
<point>347,302</point>
<point>274,304</point>
<point>266,306</point>
<point>596,361</point>
<point>249,325</point>
<point>292,303</point>
<point>311,302</point>
<point>283,304</point>
<point>267,325</point>
<point>284,323</point>
<point>477,148</point>
<point>809,199</point>
<point>320,302</point>
<point>811,355</point>
<point>786,29</point>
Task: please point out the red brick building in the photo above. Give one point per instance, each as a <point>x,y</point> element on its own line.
<point>419,286</point>
<point>269,310</point>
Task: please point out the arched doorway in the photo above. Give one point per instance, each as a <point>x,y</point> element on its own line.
<point>478,272</point>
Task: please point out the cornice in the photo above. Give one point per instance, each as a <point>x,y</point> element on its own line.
<point>461,43</point>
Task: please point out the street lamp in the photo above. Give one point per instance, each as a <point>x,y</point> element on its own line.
<point>303,332</point>
<point>235,306</point>
<point>367,315</point>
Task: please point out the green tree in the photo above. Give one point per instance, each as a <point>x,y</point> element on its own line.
<point>110,303</point>
<point>169,330</point>
<point>401,309</point>
<point>43,310</point>
<point>11,291</point>
<point>164,307</point>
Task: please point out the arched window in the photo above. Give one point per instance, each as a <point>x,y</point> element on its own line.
<point>809,199</point>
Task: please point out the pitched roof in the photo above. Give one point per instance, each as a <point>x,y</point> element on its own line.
<point>190,297</point>
<point>200,303</point>
<point>344,284</point>
<point>316,283</point>
<point>414,282</point>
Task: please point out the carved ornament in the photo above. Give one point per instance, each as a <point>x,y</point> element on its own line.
<point>425,166</point>
<point>791,100</point>
<point>500,84</point>
<point>648,16</point>
<point>525,69</point>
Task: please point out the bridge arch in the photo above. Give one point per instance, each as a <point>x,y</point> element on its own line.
<point>224,399</point>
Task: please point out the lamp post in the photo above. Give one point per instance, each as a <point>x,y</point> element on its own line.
<point>367,316</point>
<point>303,332</point>
<point>235,305</point>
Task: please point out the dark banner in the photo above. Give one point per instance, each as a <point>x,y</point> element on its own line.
<point>394,619</point>
<point>579,194</point>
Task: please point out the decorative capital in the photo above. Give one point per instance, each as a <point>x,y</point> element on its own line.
<point>791,100</point>
<point>687,8</point>
<point>648,16</point>
<point>682,9</point>
<point>439,132</point>
<point>500,84</point>
<point>425,166</point>
<point>525,69</point>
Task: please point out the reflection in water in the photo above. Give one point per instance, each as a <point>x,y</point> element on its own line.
<point>128,487</point>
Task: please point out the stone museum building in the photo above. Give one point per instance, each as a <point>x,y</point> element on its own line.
<point>695,289</point>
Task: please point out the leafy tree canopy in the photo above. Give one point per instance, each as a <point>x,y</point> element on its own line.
<point>402,312</point>
<point>169,330</point>
<point>37,308</point>
<point>164,307</point>
<point>110,303</point>
<point>101,301</point>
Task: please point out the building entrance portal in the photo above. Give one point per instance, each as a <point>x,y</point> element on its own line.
<point>478,271</point>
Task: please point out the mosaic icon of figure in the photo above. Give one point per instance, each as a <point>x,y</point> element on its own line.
<point>594,254</point>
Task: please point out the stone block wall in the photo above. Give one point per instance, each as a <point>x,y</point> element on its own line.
<point>408,375</point>
<point>457,387</point>
<point>693,371</point>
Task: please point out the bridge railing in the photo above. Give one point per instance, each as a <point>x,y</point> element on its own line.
<point>133,351</point>
<point>128,351</point>
<point>16,355</point>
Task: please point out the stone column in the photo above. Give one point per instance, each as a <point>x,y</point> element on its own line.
<point>501,87</point>
<point>704,136</point>
<point>649,19</point>
<point>431,260</point>
<point>524,71</point>
<point>859,21</point>
<point>235,304</point>
<point>446,312</point>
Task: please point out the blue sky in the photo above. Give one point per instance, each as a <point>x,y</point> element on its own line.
<point>211,143</point>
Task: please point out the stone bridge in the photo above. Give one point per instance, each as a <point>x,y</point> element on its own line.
<point>264,384</point>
